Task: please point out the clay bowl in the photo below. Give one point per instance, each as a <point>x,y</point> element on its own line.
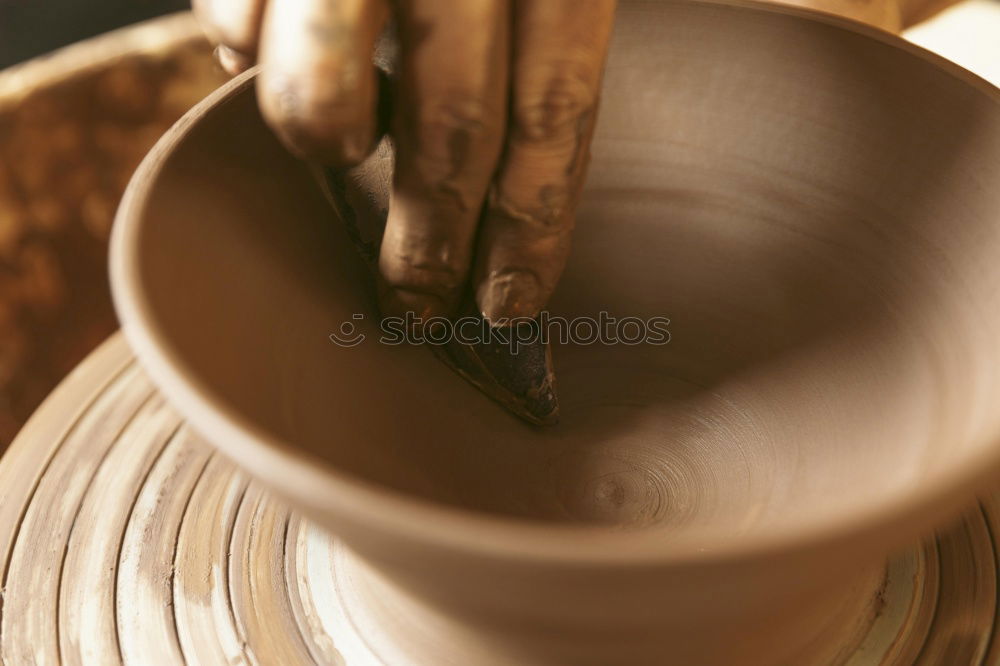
<point>812,204</point>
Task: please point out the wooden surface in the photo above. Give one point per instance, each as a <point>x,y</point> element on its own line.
<point>124,539</point>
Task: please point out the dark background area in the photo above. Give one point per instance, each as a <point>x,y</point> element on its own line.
<point>32,27</point>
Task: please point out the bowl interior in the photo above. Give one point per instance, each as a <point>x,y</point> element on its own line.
<point>815,210</point>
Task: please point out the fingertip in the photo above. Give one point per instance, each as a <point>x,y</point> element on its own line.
<point>508,295</point>
<point>232,61</point>
<point>423,262</point>
<point>412,305</point>
<point>318,89</point>
<point>311,128</point>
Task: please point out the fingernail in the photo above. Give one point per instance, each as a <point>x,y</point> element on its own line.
<point>509,295</point>
<point>398,302</point>
<point>231,60</point>
<point>353,148</point>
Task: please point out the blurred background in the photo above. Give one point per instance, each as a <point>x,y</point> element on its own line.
<point>32,27</point>
<point>74,124</point>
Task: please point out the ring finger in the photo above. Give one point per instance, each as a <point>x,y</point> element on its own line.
<point>559,51</point>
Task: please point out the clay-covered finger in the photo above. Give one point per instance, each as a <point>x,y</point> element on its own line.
<point>234,23</point>
<point>450,115</point>
<point>559,51</point>
<point>318,87</point>
<point>231,60</point>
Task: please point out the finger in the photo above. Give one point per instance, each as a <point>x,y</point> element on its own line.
<point>235,23</point>
<point>448,128</point>
<point>232,62</point>
<point>317,86</point>
<point>559,50</point>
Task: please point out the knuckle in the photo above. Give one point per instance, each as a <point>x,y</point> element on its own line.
<point>316,126</point>
<point>453,139</point>
<point>448,130</point>
<point>235,27</point>
<point>414,271</point>
<point>455,111</point>
<point>301,96</point>
<point>545,212</point>
<point>554,104</point>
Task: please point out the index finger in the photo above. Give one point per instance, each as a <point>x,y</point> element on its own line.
<point>318,86</point>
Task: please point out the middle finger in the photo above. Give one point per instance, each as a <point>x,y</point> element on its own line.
<point>450,117</point>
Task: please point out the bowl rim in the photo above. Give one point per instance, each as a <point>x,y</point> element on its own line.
<point>319,488</point>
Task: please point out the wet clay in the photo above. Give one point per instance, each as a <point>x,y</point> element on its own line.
<point>816,217</point>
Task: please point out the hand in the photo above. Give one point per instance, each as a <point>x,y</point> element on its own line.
<point>494,107</point>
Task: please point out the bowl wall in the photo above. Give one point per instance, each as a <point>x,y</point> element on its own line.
<point>813,218</point>
<point>810,203</point>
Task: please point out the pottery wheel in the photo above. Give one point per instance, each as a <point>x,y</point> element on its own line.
<point>125,539</point>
